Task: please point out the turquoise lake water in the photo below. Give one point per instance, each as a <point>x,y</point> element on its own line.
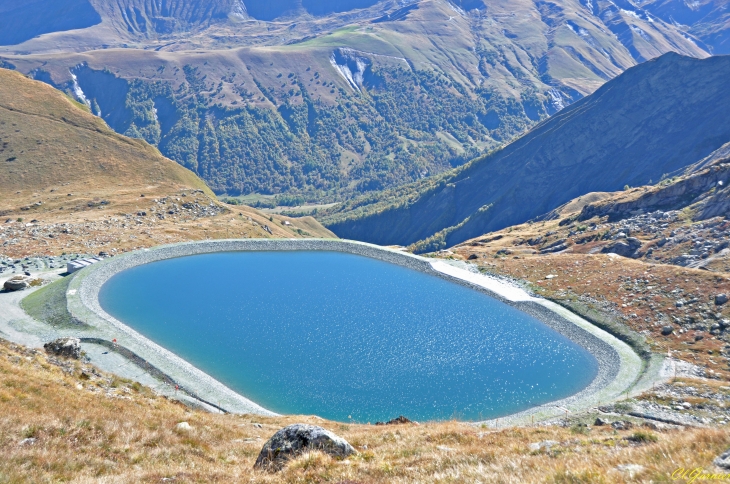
<point>347,337</point>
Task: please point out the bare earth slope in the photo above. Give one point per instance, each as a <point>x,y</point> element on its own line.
<point>651,121</point>
<point>48,140</point>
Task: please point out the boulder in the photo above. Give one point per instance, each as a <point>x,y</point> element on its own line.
<point>544,446</point>
<point>16,283</point>
<point>396,421</point>
<point>667,330</point>
<point>66,347</point>
<point>721,299</point>
<point>622,425</point>
<point>624,248</point>
<point>723,460</point>
<point>296,439</point>
<point>631,469</point>
<point>183,427</point>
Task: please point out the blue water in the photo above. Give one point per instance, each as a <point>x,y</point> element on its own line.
<point>347,337</point>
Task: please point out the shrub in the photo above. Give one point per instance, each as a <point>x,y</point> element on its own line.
<point>641,437</point>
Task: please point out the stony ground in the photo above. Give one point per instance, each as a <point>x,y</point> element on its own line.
<point>659,237</point>
<point>134,221</point>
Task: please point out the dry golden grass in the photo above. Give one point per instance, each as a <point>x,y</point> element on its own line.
<point>102,429</point>
<point>48,142</point>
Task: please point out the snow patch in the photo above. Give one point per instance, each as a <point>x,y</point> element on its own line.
<point>688,38</point>
<point>350,66</point>
<point>78,92</point>
<point>641,33</point>
<point>588,5</point>
<point>588,38</point>
<point>556,98</point>
<point>239,10</point>
<point>457,9</point>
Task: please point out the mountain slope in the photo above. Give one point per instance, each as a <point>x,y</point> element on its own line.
<point>331,105</point>
<point>68,183</point>
<point>120,19</point>
<point>651,121</point>
<point>48,140</point>
<point>680,221</point>
<point>20,22</point>
<point>708,20</point>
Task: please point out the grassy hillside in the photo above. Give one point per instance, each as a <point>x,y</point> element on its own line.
<point>707,20</point>
<point>648,123</point>
<point>68,183</point>
<point>47,140</point>
<point>66,421</point>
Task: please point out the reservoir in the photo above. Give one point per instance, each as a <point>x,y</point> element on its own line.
<point>347,337</point>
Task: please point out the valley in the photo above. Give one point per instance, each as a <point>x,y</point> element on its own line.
<point>70,184</point>
<point>346,98</point>
<point>651,123</point>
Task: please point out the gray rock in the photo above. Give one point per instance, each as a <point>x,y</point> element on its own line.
<point>721,299</point>
<point>625,248</point>
<point>396,421</point>
<point>667,330</point>
<point>183,427</point>
<point>545,445</point>
<point>622,425</point>
<point>599,422</point>
<point>66,347</point>
<point>631,469</point>
<point>296,439</point>
<point>16,283</point>
<point>723,460</point>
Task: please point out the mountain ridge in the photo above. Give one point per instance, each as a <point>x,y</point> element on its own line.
<point>590,148</point>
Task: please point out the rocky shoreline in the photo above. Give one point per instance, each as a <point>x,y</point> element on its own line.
<point>619,367</point>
